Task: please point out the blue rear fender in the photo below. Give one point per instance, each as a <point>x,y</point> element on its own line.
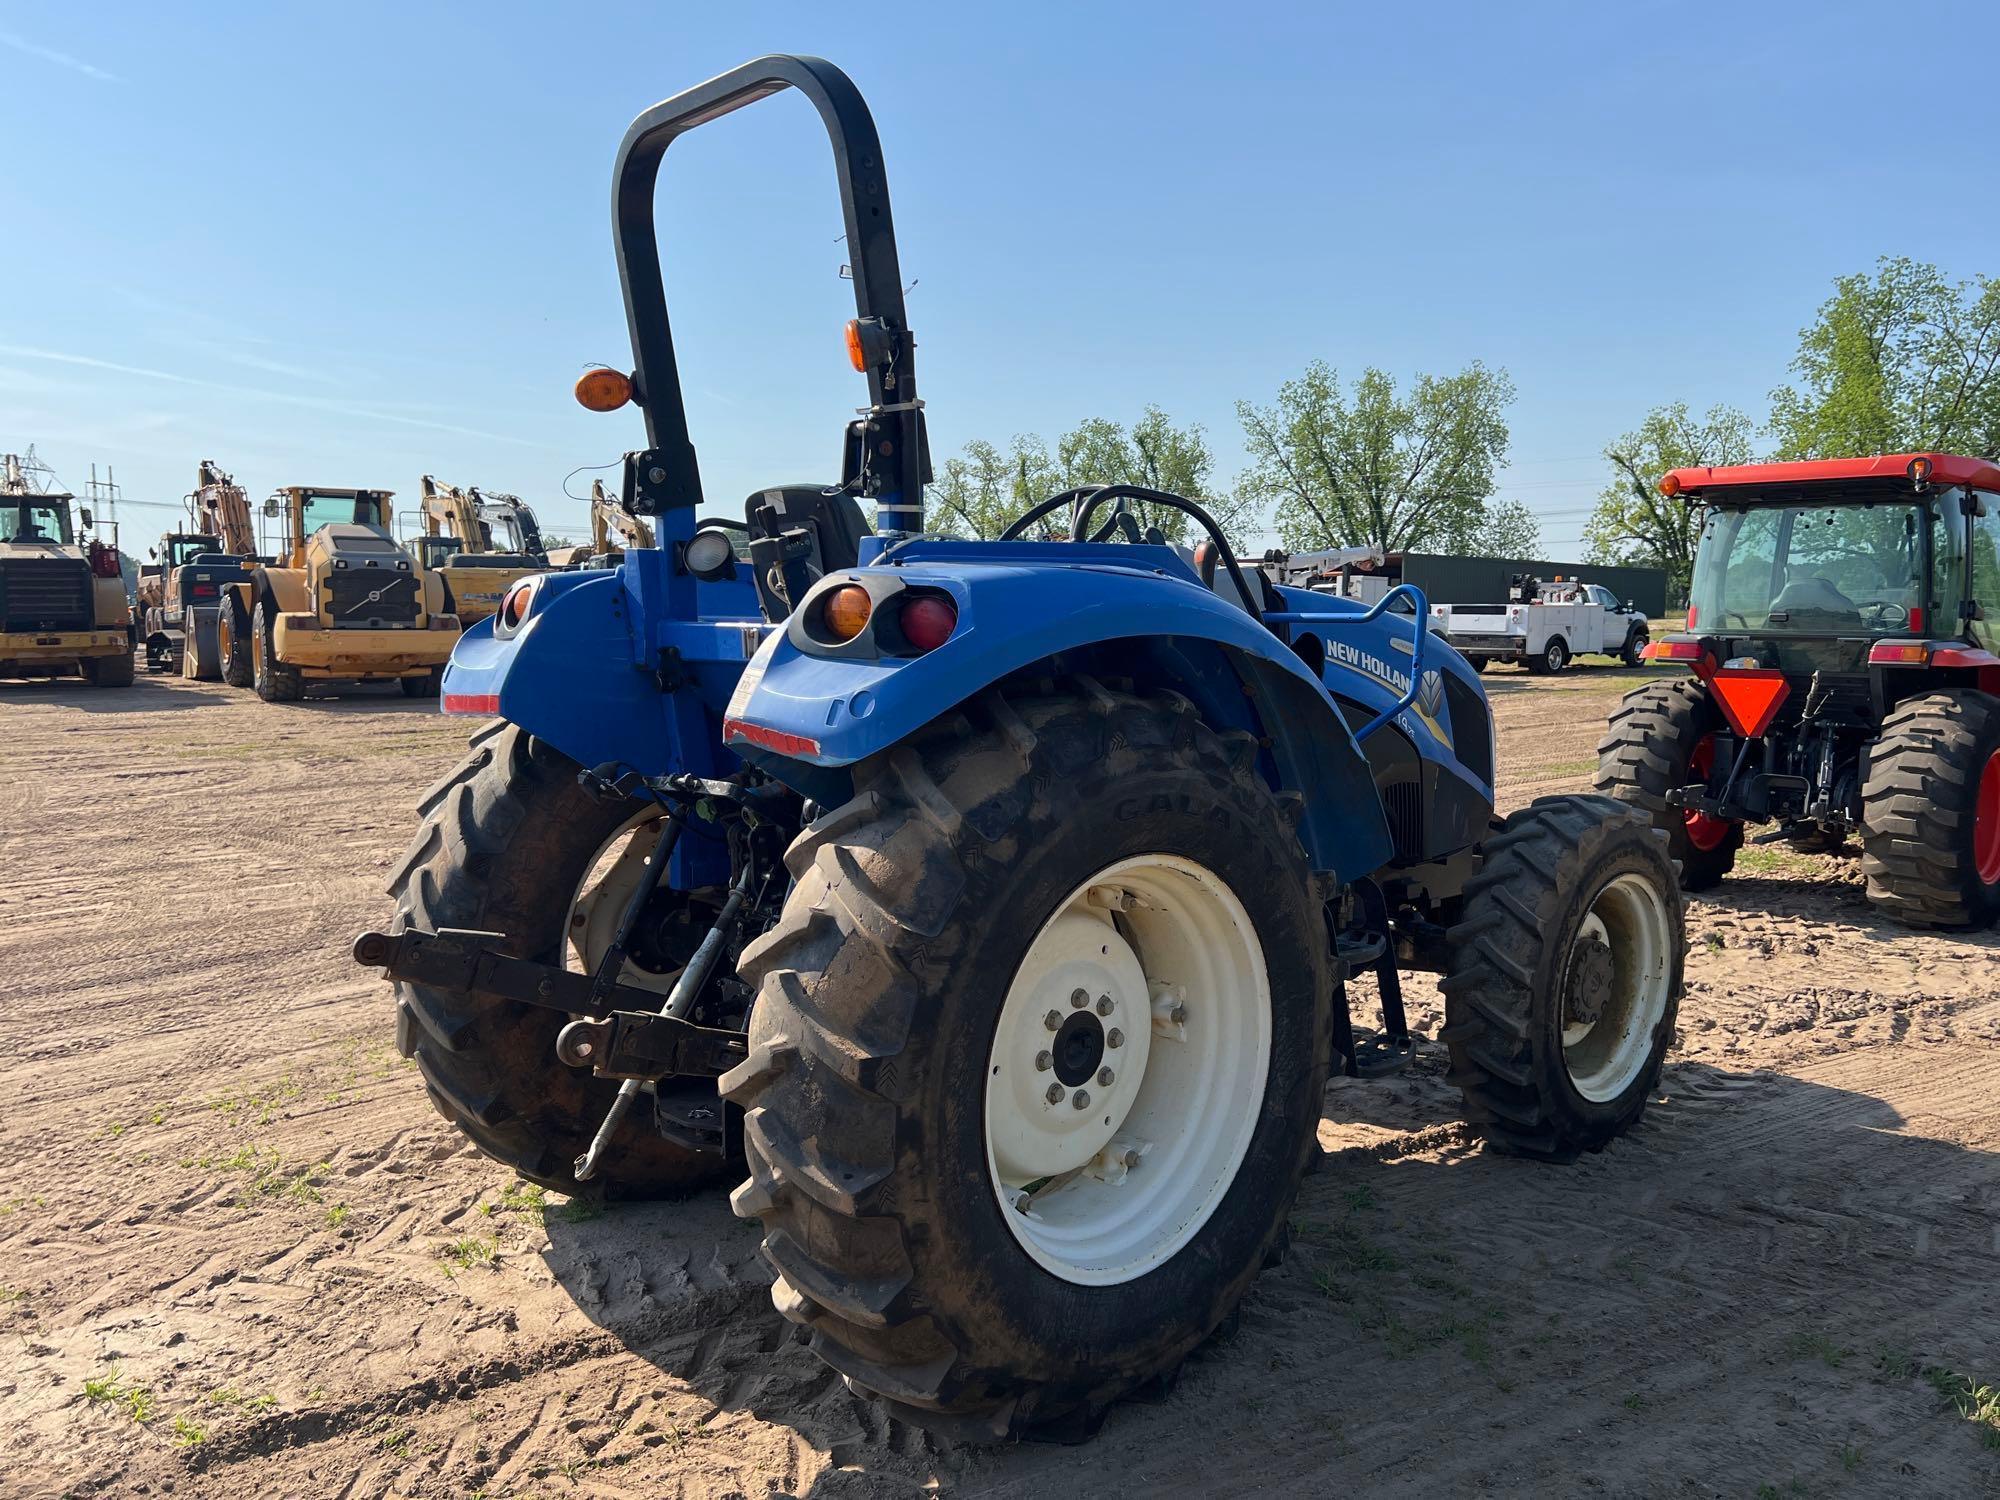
<point>802,711</point>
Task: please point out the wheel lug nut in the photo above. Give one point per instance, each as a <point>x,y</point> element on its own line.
<point>1044,1061</point>
<point>1081,1099</point>
<point>1114,1038</point>
<point>1104,1005</point>
<point>1104,1077</point>
<point>1053,1020</point>
<point>1055,1093</point>
<point>1078,999</point>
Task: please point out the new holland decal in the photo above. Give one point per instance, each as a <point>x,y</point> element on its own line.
<point>1429,703</point>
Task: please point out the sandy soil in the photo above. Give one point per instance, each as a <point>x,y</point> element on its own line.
<point>240,1256</point>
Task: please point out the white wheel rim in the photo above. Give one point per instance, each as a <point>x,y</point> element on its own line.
<point>1165,955</point>
<point>597,906</point>
<point>1608,1038</point>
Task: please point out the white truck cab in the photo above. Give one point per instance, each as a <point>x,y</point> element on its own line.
<point>1544,626</point>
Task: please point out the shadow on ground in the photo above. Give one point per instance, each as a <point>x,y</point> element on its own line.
<point>1744,1291</point>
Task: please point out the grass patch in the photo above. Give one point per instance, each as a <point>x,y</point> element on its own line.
<point>230,1397</point>
<point>529,1200</point>
<point>470,1250</point>
<point>1818,1346</point>
<point>187,1434</point>
<point>1850,1457</point>
<point>580,1211</point>
<point>270,1176</point>
<point>1634,1402</point>
<point>337,1215</point>
<point>1772,859</point>
<point>135,1400</point>
<point>11,1294</point>
<point>1567,767</point>
<point>1971,1399</point>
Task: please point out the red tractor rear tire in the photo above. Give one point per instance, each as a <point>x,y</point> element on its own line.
<point>1657,740</point>
<point>1930,811</point>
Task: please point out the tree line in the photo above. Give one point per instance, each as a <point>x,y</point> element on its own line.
<point>1898,360</point>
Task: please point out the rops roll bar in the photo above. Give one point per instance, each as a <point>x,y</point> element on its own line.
<point>886,449</point>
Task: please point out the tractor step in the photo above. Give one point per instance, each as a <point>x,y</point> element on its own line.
<point>1380,1056</point>
<point>634,1041</point>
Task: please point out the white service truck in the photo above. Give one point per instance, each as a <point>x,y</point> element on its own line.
<point>1544,626</point>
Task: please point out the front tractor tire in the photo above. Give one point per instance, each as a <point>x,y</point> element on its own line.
<point>1037,1059</point>
<point>232,646</point>
<point>1662,736</point>
<point>275,682</point>
<point>110,671</point>
<point>506,841</point>
<point>1930,811</point>
<point>1565,977</point>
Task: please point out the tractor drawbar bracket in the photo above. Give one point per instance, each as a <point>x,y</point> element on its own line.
<point>633,1041</point>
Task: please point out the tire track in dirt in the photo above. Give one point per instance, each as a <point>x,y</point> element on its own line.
<point>223,1186</point>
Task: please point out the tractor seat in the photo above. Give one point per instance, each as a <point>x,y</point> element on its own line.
<point>836,521</point>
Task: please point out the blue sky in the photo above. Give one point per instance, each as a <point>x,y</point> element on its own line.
<point>346,245</point>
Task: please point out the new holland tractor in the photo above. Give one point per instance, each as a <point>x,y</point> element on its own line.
<point>998,902</point>
<point>1841,634</point>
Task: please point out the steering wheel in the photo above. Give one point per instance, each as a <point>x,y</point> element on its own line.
<point>1887,612</point>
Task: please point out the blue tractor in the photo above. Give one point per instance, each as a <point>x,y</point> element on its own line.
<point>990,909</point>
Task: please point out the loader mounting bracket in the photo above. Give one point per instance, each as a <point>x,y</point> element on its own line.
<point>632,1041</point>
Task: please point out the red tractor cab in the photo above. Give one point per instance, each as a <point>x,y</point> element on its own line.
<point>1842,626</point>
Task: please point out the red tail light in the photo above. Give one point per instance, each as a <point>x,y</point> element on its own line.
<point>928,621</point>
<point>1690,624</point>
<point>1917,618</point>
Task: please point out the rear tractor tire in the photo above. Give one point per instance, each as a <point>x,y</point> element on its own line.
<point>1930,811</point>
<point>1565,977</point>
<point>507,840</point>
<point>232,647</point>
<point>275,682</point>
<point>1037,1060</point>
<point>1662,736</point>
<point>109,671</point>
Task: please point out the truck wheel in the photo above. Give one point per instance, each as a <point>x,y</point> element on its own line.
<point>1552,658</point>
<point>510,843</point>
<point>1930,811</point>
<point>275,682</point>
<point>200,659</point>
<point>232,646</point>
<point>109,671</point>
<point>1634,654</point>
<point>1662,736</point>
<point>1037,1058</point>
<point>1565,977</point>
<point>1478,663</point>
<point>425,686</point>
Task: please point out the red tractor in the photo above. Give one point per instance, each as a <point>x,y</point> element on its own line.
<point>1841,631</point>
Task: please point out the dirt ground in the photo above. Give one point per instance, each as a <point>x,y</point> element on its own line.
<point>240,1255</point>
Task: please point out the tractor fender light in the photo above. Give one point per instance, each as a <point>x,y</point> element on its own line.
<point>710,555</point>
<point>844,612</point>
<point>1898,654</point>
<point>603,389</point>
<point>928,621</point>
<point>515,607</point>
<point>1673,651</point>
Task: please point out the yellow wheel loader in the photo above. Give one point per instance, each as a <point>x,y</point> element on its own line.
<point>62,598</point>
<point>337,601</point>
<point>483,544</point>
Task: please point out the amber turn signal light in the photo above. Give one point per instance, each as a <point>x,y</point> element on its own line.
<point>602,389</point>
<point>1670,485</point>
<point>844,612</point>
<point>856,354</point>
<point>514,608</point>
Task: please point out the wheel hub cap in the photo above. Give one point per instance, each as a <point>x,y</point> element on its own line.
<point>1079,1047</point>
<point>1616,987</point>
<point>1591,969</point>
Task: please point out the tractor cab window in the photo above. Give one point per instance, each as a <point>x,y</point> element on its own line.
<point>1821,570</point>
<point>27,522</point>
<point>1984,561</point>
<point>183,550</point>
<point>339,510</point>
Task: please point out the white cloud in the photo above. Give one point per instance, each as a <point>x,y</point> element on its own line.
<point>60,59</point>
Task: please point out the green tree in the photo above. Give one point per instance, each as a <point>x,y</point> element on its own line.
<point>1409,472</point>
<point>981,492</point>
<point>1633,521</point>
<point>1898,361</point>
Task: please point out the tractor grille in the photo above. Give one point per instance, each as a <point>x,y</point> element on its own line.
<point>52,594</point>
<point>352,608</point>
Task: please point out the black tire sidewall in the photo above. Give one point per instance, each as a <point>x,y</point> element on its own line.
<point>1590,1118</point>
<point>999,1298</point>
<point>1555,655</point>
